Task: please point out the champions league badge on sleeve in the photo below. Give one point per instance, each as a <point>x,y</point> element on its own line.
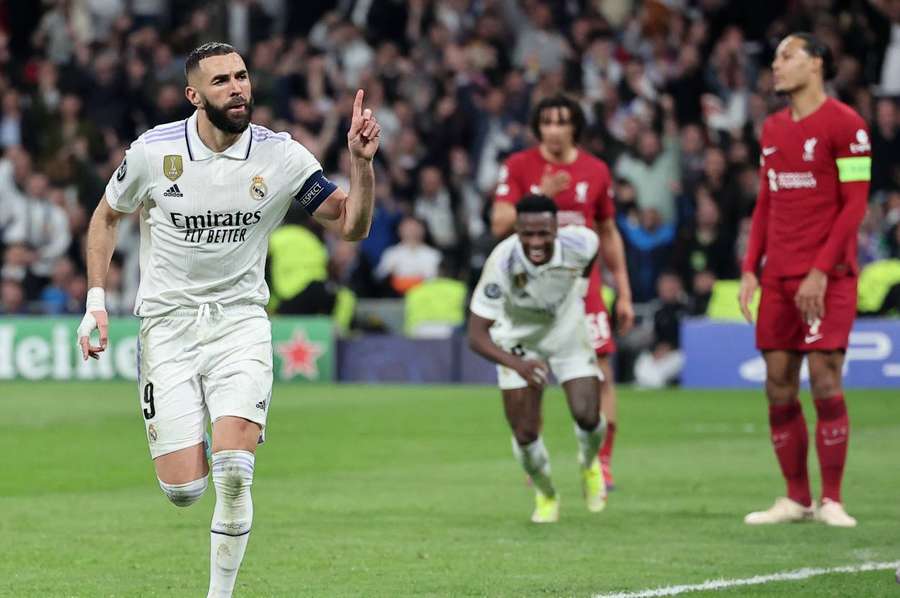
<point>258,188</point>
<point>492,291</point>
<point>123,168</point>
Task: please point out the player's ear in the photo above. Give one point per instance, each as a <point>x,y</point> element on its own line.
<point>192,96</point>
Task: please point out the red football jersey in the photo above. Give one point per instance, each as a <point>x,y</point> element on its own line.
<point>588,199</point>
<point>814,185</point>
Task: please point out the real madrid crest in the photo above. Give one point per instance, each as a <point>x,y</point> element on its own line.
<point>258,189</point>
<point>520,280</point>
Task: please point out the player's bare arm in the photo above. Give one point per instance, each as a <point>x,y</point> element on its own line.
<point>757,244</point>
<point>503,214</point>
<point>531,370</point>
<point>749,284</point>
<point>613,253</point>
<point>101,242</point>
<point>503,219</point>
<point>350,214</point>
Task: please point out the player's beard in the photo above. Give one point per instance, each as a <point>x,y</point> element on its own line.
<point>222,120</point>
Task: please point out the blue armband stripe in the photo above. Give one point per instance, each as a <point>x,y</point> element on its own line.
<point>314,191</point>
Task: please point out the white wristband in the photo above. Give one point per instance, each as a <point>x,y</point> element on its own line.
<point>96,300</point>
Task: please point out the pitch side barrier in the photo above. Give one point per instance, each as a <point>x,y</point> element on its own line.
<point>44,348</point>
<point>723,355</point>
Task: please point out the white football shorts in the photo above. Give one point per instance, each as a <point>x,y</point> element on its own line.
<point>578,361</point>
<point>198,365</point>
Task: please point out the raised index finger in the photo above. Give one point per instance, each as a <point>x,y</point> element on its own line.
<point>357,103</point>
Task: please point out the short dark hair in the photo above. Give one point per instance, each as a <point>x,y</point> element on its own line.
<point>535,204</point>
<point>576,114</point>
<point>816,48</point>
<point>205,51</point>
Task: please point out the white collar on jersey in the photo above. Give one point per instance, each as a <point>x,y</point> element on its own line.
<point>555,259</point>
<point>197,150</point>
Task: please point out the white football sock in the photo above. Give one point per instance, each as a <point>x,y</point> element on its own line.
<point>232,473</point>
<point>184,495</point>
<point>536,462</point>
<point>589,441</point>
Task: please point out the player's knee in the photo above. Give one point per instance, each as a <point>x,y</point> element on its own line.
<point>232,472</point>
<point>184,495</point>
<point>825,378</point>
<point>526,434</point>
<point>588,420</point>
<point>781,388</point>
<point>825,387</point>
<point>585,410</point>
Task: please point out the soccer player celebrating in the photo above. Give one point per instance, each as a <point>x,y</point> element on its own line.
<point>581,186</point>
<point>526,311</point>
<point>814,175</point>
<point>211,189</point>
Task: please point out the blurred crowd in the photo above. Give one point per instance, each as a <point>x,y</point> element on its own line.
<point>675,93</point>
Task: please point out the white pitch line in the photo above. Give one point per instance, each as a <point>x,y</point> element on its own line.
<point>724,584</point>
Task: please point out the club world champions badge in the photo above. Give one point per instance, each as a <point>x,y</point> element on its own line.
<point>173,167</point>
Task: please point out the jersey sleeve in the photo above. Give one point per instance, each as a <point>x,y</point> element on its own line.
<point>489,296</point>
<point>759,224</point>
<point>509,185</point>
<point>130,184</point>
<point>853,151</point>
<point>853,159</point>
<point>307,182</point>
<point>606,207</point>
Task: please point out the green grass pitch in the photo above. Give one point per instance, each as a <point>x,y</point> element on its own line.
<point>413,491</point>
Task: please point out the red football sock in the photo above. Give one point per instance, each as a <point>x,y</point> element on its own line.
<point>832,436</point>
<point>791,442</point>
<point>605,452</point>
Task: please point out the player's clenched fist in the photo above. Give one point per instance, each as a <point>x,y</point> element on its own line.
<point>362,138</point>
<point>95,318</point>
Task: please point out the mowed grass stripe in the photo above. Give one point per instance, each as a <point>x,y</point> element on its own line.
<point>408,491</point>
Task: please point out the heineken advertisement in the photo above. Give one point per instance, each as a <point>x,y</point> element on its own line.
<point>45,348</point>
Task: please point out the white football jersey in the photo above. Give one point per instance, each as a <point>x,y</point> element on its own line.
<point>206,217</point>
<point>539,307</point>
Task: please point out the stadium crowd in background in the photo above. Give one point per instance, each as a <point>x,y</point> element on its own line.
<point>674,92</point>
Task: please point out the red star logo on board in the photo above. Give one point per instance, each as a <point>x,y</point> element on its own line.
<point>299,355</point>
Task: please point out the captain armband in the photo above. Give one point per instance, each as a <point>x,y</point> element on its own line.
<point>314,191</point>
<point>858,168</point>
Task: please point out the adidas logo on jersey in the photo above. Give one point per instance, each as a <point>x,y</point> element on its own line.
<point>173,191</point>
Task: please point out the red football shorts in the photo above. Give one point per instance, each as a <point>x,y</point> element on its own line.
<point>780,325</point>
<point>599,326</point>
